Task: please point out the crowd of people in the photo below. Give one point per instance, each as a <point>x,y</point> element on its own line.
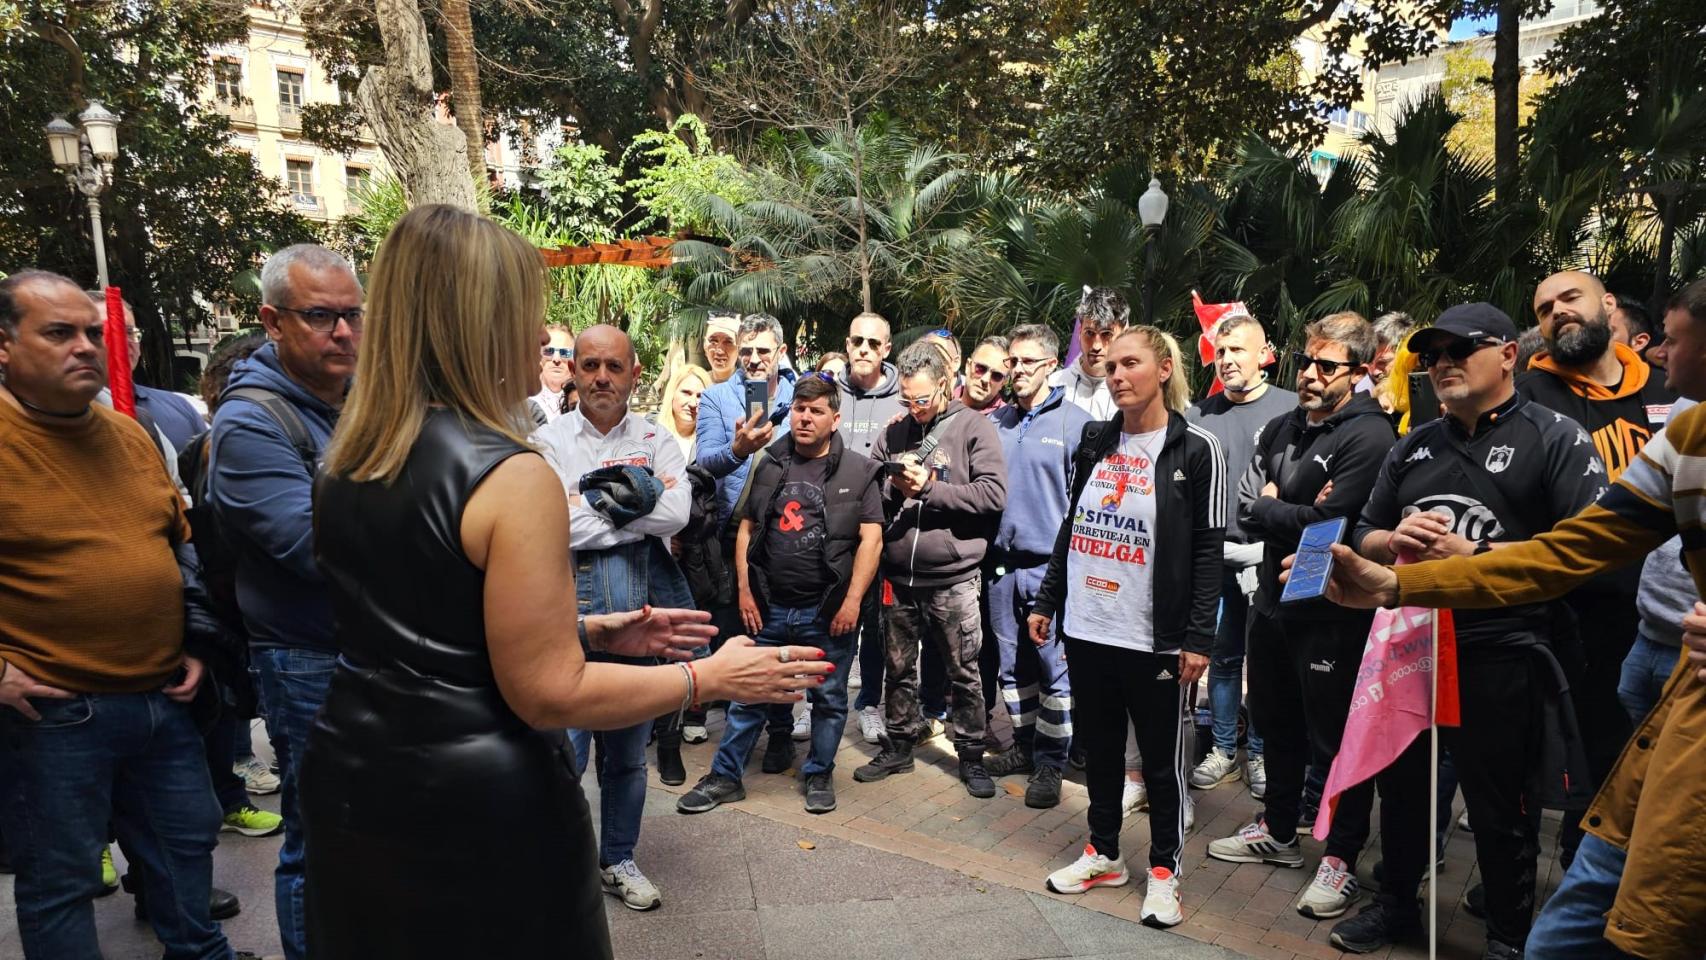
<point>399,501</point>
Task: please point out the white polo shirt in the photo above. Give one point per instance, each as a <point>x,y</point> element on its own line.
<point>575,448</point>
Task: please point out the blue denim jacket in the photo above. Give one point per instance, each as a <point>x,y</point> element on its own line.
<point>627,577</point>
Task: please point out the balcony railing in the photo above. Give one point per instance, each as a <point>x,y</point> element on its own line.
<point>289,117</point>
<point>241,114</point>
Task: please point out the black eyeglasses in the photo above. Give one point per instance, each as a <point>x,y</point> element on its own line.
<point>1328,368</point>
<point>875,343</point>
<point>322,320</point>
<point>985,370</point>
<point>1458,350</point>
<point>557,353</point>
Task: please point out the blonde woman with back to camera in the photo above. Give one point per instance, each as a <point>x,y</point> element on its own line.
<point>445,540</point>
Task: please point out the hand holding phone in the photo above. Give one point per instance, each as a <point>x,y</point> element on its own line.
<point>1312,567</point>
<point>757,399</point>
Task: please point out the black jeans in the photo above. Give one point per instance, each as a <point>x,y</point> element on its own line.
<point>1607,625</point>
<point>1302,674</point>
<point>1116,689</point>
<point>1501,699</point>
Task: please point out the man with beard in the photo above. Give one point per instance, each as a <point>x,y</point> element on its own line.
<point>1236,416</point>
<point>985,375</point>
<point>1304,658</point>
<point>1608,389</point>
<point>1102,315</point>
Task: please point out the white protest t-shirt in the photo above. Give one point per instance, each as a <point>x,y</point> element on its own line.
<point>1109,580</point>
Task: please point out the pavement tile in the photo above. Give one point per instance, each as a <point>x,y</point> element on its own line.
<point>820,931</point>
<point>705,936</point>
<point>1001,924</point>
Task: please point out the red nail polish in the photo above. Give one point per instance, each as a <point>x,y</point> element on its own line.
<point>832,668</point>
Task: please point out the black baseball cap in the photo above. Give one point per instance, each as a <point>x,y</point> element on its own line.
<point>1471,321</point>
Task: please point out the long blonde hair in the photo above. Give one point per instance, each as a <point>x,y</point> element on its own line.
<point>1176,392</point>
<point>454,308</point>
<point>666,399</point>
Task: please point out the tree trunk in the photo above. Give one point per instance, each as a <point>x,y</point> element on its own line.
<point>859,215</point>
<point>1507,82</point>
<point>1666,198</point>
<point>465,82</point>
<point>398,102</point>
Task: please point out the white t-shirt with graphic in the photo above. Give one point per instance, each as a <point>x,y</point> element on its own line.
<point>1109,578</point>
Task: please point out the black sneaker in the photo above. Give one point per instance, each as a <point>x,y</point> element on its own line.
<point>221,904</point>
<point>670,768</point>
<point>1075,758</point>
<point>976,779</point>
<point>778,753</point>
<point>820,793</point>
<point>895,758</point>
<point>1501,951</point>
<point>712,790</point>
<point>1306,816</point>
<point>1043,791</point>
<point>1375,926</point>
<point>1016,760</point>
<point>1475,901</point>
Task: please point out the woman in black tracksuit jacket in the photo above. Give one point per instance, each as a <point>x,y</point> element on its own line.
<point>1134,587</point>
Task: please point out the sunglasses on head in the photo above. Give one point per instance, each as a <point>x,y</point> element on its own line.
<point>1458,350</point>
<point>875,343</point>
<point>1328,368</point>
<point>825,376</point>
<point>944,333</point>
<point>985,370</point>
<point>557,353</point>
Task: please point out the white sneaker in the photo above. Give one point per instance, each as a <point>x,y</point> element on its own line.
<point>1257,774</point>
<point>871,724</point>
<point>257,779</point>
<point>1091,869</point>
<point>1161,900</point>
<point>1215,769</point>
<point>694,733</point>
<point>855,676</point>
<point>1254,844</point>
<point>624,880</point>
<point>1190,813</point>
<point>1133,797</point>
<point>803,724</point>
<point>1331,893</point>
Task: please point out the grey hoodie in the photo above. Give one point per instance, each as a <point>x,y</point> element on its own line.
<point>864,413</point>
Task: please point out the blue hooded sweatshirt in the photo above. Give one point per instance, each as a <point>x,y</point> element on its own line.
<point>721,408</point>
<point>263,494</point>
<point>1038,445</point>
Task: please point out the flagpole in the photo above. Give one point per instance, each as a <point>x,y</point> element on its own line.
<point>1433,797</point>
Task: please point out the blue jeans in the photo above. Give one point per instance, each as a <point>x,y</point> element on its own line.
<point>1034,680</point>
<point>1645,671</point>
<point>621,785</point>
<point>873,655</point>
<point>292,682</point>
<point>794,626</point>
<point>1226,669</point>
<point>133,760</point>
<point>1572,924</point>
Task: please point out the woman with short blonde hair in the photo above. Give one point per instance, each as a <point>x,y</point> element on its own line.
<point>679,415</point>
<point>444,541</point>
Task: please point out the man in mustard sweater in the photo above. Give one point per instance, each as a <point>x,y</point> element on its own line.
<point>1638,883</point>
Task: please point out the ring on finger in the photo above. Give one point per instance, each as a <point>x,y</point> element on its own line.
<point>783,655</point>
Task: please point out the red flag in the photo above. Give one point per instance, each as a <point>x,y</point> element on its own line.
<point>1394,698</point>
<point>118,355</point>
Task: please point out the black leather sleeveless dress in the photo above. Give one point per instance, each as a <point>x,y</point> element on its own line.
<point>438,824</point>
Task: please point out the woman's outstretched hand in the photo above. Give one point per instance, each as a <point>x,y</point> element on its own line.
<point>666,632</point>
<point>752,674</point>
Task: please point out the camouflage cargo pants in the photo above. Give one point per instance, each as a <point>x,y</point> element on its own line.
<point>949,618</point>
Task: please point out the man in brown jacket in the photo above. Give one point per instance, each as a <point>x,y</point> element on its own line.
<point>1638,883</point>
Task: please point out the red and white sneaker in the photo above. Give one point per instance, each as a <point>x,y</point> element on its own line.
<point>1161,899</point>
<point>1089,870</point>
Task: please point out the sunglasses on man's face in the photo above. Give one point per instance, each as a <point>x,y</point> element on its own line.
<point>557,353</point>
<point>1328,368</point>
<point>1457,350</point>
<point>875,343</point>
<point>918,403</point>
<point>985,370</point>
<point>762,352</point>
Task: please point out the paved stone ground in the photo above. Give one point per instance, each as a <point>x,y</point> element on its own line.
<point>909,867</point>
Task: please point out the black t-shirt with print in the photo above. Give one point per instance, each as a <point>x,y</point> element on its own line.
<point>793,546</point>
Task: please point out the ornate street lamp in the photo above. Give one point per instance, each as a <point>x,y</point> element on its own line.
<point>86,158</point>
<point>1152,210</point>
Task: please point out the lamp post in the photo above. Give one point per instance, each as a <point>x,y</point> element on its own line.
<point>86,158</point>
<point>1152,210</point>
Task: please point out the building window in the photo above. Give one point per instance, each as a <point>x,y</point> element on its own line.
<point>299,178</point>
<point>228,81</point>
<point>355,178</point>
<point>289,92</point>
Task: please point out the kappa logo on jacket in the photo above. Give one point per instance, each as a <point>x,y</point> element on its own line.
<point>1422,453</point>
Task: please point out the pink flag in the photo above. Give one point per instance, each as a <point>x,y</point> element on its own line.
<point>1393,698</point>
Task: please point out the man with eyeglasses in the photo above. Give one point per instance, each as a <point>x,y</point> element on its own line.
<point>1236,416</point>
<point>179,417</point>
<point>1496,470</point>
<point>1584,374</point>
<point>1312,463</point>
<point>1039,434</point>
<point>274,421</point>
<point>556,371</point>
<point>986,373</point>
<point>946,486</point>
<point>870,398</point>
<point>1102,315</point>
